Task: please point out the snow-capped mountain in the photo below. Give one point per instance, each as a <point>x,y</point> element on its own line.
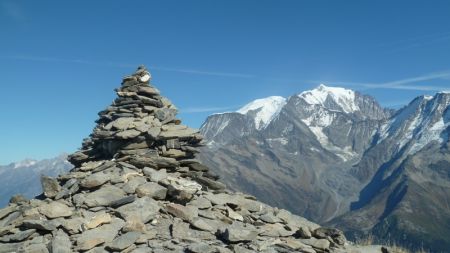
<point>320,110</point>
<point>264,110</point>
<point>25,163</point>
<point>332,98</point>
<point>423,121</point>
<point>335,155</point>
<point>325,128</point>
<point>24,177</point>
<point>255,116</point>
<point>407,171</point>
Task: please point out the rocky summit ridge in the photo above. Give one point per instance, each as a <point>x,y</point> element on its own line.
<point>137,187</point>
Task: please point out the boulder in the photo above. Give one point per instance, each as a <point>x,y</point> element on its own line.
<point>50,186</point>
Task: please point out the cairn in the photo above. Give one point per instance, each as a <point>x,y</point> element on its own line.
<point>137,187</point>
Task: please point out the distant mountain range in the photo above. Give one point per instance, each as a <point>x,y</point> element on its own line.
<point>337,157</point>
<point>24,177</point>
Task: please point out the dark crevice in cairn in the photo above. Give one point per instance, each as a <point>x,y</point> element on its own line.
<point>137,187</point>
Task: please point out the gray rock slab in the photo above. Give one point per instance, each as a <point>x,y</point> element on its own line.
<point>203,224</point>
<point>121,123</point>
<point>104,234</point>
<point>61,243</point>
<point>55,210</point>
<point>275,230</point>
<point>321,244</point>
<point>124,241</point>
<point>238,232</point>
<point>123,201</point>
<point>95,180</point>
<point>269,218</point>
<point>148,91</point>
<point>144,209</point>
<point>185,133</point>
<point>43,225</point>
<point>128,134</point>
<point>237,200</point>
<point>200,203</point>
<point>18,236</point>
<point>9,247</point>
<point>201,248</point>
<point>104,196</point>
<point>133,183</point>
<point>36,248</point>
<point>73,225</point>
<point>50,186</point>
<point>152,189</point>
<point>155,175</point>
<point>7,210</point>
<point>187,213</point>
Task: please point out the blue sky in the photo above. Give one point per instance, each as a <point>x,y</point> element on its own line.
<point>61,60</point>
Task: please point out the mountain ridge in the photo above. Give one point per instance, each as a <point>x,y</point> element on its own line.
<point>345,148</point>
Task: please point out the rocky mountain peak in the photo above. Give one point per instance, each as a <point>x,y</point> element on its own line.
<point>424,120</point>
<point>137,187</point>
<point>341,100</point>
<point>326,96</point>
<point>264,110</point>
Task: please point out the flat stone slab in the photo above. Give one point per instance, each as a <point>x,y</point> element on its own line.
<point>61,243</point>
<point>124,241</point>
<point>104,196</point>
<point>238,232</point>
<point>143,209</point>
<point>104,234</point>
<point>95,180</point>
<point>55,210</point>
<point>187,213</point>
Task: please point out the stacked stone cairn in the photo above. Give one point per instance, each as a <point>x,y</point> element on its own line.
<point>137,187</point>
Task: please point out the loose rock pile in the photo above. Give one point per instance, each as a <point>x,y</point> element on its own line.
<point>137,187</point>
